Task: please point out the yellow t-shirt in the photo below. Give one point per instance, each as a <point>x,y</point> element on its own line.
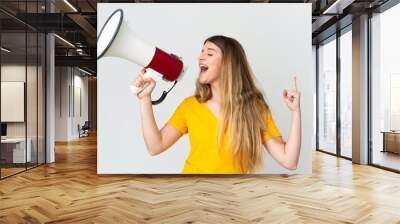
<point>199,121</point>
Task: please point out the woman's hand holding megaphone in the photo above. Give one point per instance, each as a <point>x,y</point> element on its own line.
<point>143,86</point>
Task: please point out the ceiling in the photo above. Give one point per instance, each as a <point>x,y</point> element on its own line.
<point>75,21</point>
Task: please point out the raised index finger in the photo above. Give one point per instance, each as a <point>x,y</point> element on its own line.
<point>295,83</point>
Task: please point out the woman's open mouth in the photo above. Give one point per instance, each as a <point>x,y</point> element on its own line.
<point>203,68</point>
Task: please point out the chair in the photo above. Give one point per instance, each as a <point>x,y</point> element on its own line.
<point>84,130</point>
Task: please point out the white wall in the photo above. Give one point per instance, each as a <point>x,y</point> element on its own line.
<point>278,46</point>
<point>80,84</point>
<point>61,103</point>
<point>68,81</point>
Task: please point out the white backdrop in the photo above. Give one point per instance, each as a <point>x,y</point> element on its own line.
<point>277,41</point>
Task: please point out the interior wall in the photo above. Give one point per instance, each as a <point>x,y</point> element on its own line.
<point>71,102</point>
<point>61,103</point>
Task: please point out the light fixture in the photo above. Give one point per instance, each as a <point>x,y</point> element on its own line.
<point>84,71</point>
<point>5,50</point>
<point>65,41</point>
<point>80,51</point>
<point>338,6</point>
<point>70,5</point>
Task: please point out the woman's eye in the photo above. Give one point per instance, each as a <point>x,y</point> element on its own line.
<point>210,55</point>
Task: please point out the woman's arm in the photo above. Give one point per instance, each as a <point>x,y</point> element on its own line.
<point>287,153</point>
<point>157,141</point>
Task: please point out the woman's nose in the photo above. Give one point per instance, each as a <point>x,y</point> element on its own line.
<point>202,55</point>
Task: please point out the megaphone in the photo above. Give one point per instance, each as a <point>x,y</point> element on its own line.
<point>116,39</point>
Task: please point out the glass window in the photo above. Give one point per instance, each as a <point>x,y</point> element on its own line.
<point>13,89</point>
<point>346,94</point>
<point>327,96</point>
<point>22,92</point>
<point>31,101</point>
<point>385,84</point>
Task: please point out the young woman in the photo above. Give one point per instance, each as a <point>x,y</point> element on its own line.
<point>227,119</point>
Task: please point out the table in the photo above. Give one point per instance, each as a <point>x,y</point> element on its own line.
<point>391,141</point>
<point>16,147</point>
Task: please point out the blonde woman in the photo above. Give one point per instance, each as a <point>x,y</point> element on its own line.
<point>228,120</point>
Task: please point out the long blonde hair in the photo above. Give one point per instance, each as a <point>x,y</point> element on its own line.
<point>243,107</point>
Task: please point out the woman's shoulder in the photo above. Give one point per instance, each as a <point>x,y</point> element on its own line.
<point>189,101</point>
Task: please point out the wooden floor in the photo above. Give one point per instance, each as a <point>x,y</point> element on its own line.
<point>70,191</point>
<point>388,159</point>
<point>5,172</point>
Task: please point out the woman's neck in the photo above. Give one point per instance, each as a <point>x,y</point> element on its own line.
<point>216,97</point>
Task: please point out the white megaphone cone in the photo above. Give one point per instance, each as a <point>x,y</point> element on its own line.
<point>116,39</point>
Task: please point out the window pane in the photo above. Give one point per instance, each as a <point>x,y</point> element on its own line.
<point>31,101</point>
<point>346,94</point>
<point>327,97</point>
<point>14,153</point>
<point>22,90</point>
<point>386,88</point>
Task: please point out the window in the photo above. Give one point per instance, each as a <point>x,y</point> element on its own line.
<point>327,96</point>
<point>346,94</point>
<point>385,88</point>
<point>22,77</point>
